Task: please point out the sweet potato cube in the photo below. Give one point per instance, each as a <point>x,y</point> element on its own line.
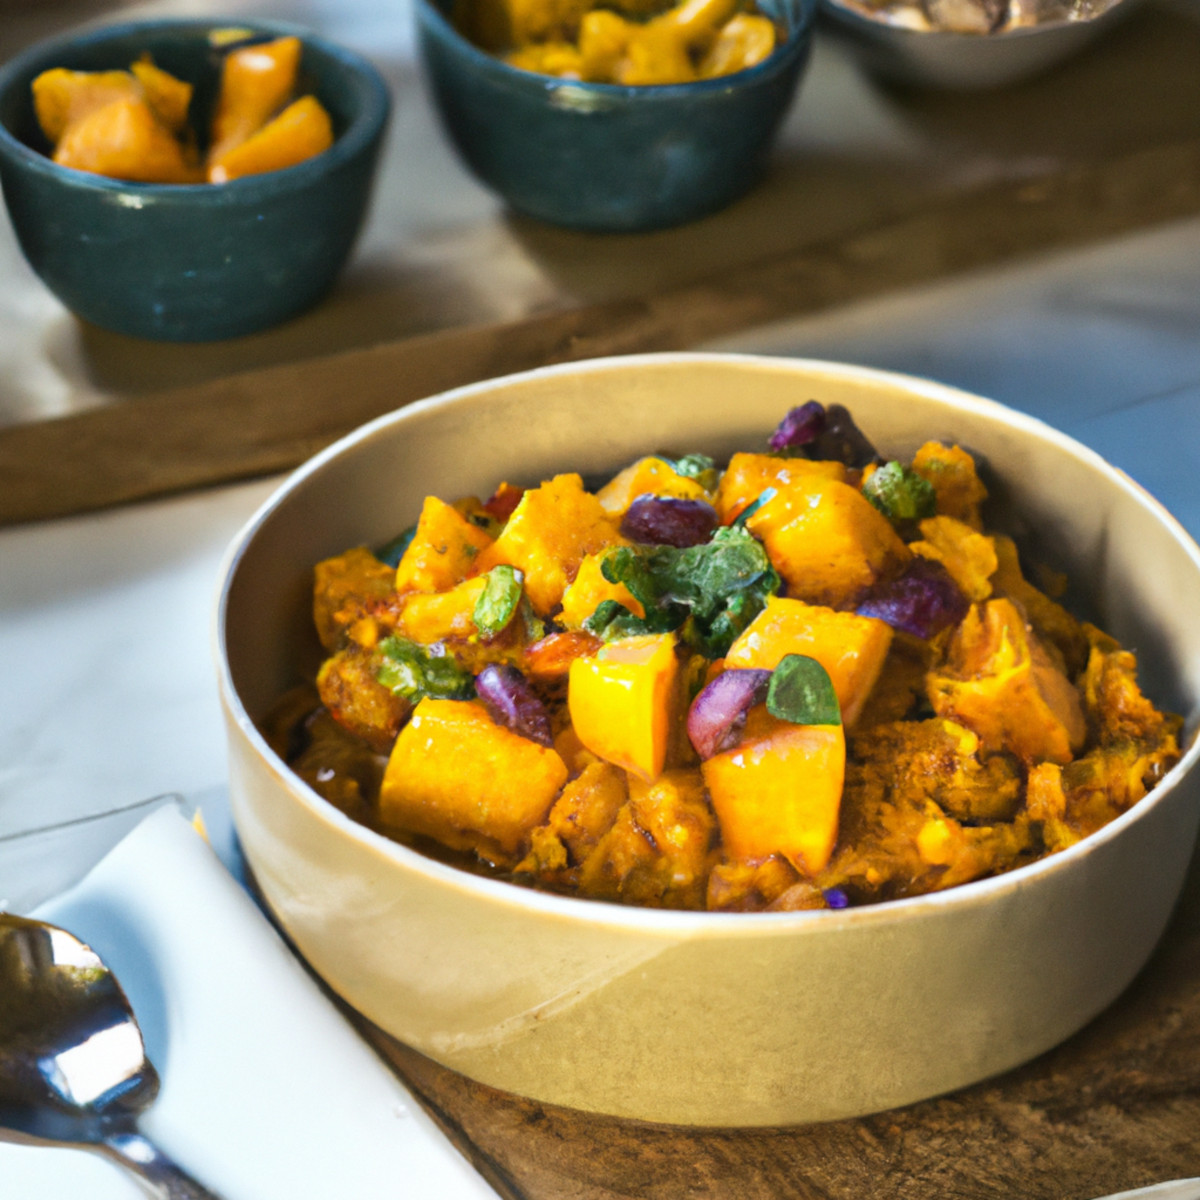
<point>749,475</point>
<point>125,140</point>
<point>622,701</point>
<point>549,534</point>
<point>457,776</point>
<point>1000,683</point>
<point>780,791</point>
<point>970,557</point>
<point>432,617</point>
<point>647,476</point>
<point>167,96</point>
<point>62,98</point>
<point>827,541</point>
<point>302,131</point>
<point>343,588</point>
<point>256,82</point>
<point>951,471</point>
<point>851,648</point>
<point>443,551</point>
<point>589,590</point>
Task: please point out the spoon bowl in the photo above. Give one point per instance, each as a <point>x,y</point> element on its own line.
<point>73,1066</point>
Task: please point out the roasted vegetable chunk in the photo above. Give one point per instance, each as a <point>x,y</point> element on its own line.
<point>827,541</point>
<point>443,550</point>
<point>357,700</point>
<point>951,471</point>
<point>749,475</point>
<point>487,801</point>
<point>970,557</point>
<point>998,681</point>
<point>345,588</point>
<point>647,476</point>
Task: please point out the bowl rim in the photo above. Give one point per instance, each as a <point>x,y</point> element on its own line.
<point>671,922</point>
<point>358,135</point>
<point>852,15</point>
<point>779,60</point>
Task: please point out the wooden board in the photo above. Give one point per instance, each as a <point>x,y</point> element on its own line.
<point>271,419</point>
<point>1116,1107</point>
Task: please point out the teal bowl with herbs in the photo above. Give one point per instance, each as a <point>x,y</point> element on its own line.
<point>191,262</point>
<point>609,157</point>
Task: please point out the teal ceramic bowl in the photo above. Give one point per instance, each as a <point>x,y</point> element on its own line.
<point>190,262</point>
<point>606,157</point>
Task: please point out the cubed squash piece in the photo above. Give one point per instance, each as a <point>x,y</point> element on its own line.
<point>457,776</point>
<point>167,96</point>
<point>443,551</point>
<point>951,471</point>
<point>970,557</point>
<point>622,701</point>
<point>432,617</point>
<point>851,648</point>
<point>343,588</point>
<point>780,791</point>
<point>551,531</point>
<point>647,476</point>
<point>827,541</point>
<point>1000,683</point>
<point>257,81</point>
<point>302,131</point>
<point>62,98</point>
<point>125,140</point>
<point>749,475</point>
<point>357,701</point>
<point>589,590</point>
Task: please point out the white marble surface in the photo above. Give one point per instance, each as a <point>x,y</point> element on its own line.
<point>105,639</point>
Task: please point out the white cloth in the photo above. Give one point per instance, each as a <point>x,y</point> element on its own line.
<point>267,1091</point>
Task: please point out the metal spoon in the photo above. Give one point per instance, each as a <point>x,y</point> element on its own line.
<point>73,1067</point>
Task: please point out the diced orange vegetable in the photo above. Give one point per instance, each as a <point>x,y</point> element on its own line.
<point>622,701</point>
<point>550,658</point>
<point>343,587</point>
<point>589,590</point>
<point>780,791</point>
<point>358,701</point>
<point>851,648</point>
<point>548,535</point>
<point>745,40</point>
<point>125,140</point>
<point>432,617</point>
<point>951,471</point>
<point>61,97</point>
<point>257,81</point>
<point>302,131</point>
<point>970,557</point>
<point>999,682</point>
<point>444,550</point>
<point>456,775</point>
<point>167,96</point>
<point>749,475</point>
<point>647,476</point>
<point>827,541</point>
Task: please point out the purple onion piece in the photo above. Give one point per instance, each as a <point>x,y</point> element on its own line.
<point>836,898</point>
<point>667,521</point>
<point>922,601</point>
<point>512,702</point>
<point>842,441</point>
<point>719,711</point>
<point>801,426</point>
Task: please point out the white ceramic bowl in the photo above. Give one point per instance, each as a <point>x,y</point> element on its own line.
<point>698,1018</point>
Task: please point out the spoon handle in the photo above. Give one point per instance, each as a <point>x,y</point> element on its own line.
<point>164,1177</point>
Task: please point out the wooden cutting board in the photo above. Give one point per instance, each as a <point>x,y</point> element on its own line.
<point>1116,1107</point>
<point>271,419</point>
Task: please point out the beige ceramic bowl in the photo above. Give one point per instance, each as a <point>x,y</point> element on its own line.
<point>695,1018</point>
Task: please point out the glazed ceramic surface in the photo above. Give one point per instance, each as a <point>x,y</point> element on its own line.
<point>962,61</point>
<point>605,157</point>
<point>697,1018</point>
<point>190,262</point>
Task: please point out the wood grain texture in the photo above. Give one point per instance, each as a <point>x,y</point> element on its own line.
<point>271,419</point>
<point>1116,1107</point>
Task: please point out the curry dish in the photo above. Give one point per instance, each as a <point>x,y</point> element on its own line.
<point>810,678</point>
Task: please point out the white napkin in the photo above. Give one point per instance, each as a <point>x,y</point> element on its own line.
<point>267,1092</point>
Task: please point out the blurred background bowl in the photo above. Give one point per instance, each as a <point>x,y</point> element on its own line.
<point>937,58</point>
<point>192,262</point>
<point>606,157</point>
<point>699,1018</point>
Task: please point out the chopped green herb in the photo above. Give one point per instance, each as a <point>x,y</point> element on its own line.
<point>392,552</point>
<point>699,467</point>
<point>499,600</point>
<point>801,691</point>
<point>709,592</point>
<point>414,671</point>
<point>900,493</point>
